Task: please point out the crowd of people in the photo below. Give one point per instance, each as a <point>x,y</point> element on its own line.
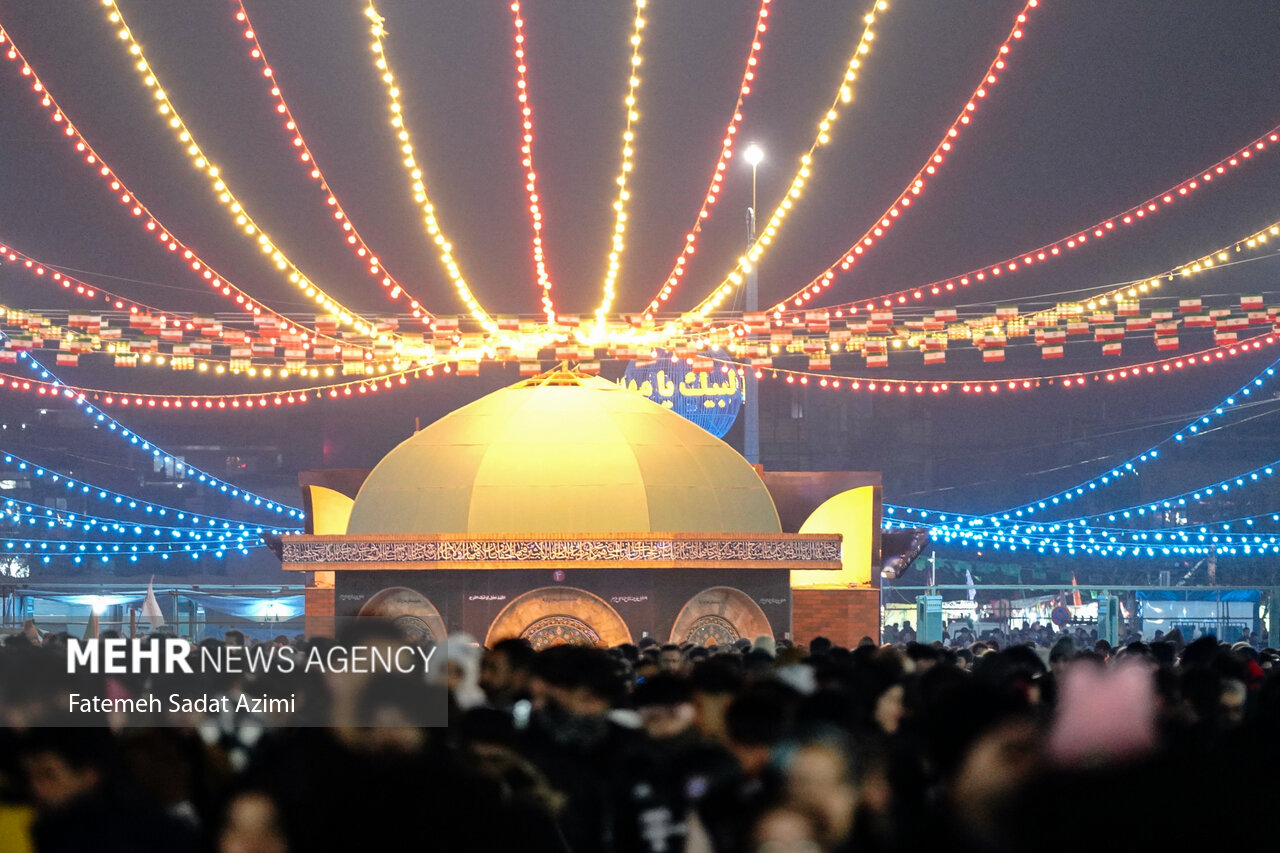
<point>763,745</point>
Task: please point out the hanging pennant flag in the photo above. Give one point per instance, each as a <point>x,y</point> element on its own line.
<point>468,368</point>
<point>151,608</point>
<point>1166,342</point>
<point>1189,306</point>
<point>1223,337</point>
<point>1051,351</point>
<point>945,314</point>
<point>530,368</point>
<point>1112,348</point>
<point>935,356</point>
<point>820,363</point>
<point>877,359</point>
<point>996,354</point>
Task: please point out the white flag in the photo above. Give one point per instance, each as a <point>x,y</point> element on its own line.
<point>968,578</point>
<point>151,608</point>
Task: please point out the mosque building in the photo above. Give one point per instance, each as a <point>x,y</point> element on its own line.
<point>565,508</point>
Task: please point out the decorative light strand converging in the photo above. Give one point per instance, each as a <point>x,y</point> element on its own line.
<point>373,266</point>
<point>195,474</point>
<point>136,207</point>
<point>221,191</point>
<point>434,231</point>
<point>123,502</point>
<point>618,238</point>
<point>844,96</point>
<point>526,163</point>
<point>1076,239</point>
<point>917,184</point>
<point>1069,381</point>
<point>712,194</point>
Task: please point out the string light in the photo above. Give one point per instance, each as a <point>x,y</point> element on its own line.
<point>1210,260</point>
<point>844,96</point>
<point>103,551</point>
<point>121,502</point>
<point>372,265</point>
<point>222,192</point>
<point>1076,239</point>
<point>35,515</point>
<point>434,231</point>
<point>1191,429</point>
<point>225,402</point>
<point>1256,241</point>
<point>190,258</point>
<point>187,470</point>
<point>1068,381</point>
<point>712,194</point>
<point>526,162</point>
<point>618,238</point>
<point>77,286</point>
<point>1096,543</point>
<point>916,186</point>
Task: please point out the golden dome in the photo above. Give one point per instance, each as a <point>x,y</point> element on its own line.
<point>563,453</point>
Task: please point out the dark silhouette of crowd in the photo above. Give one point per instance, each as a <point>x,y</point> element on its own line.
<point>761,745</point>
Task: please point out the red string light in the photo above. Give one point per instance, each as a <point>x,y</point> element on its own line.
<point>916,186</point>
<point>137,208</point>
<point>526,162</point>
<point>712,194</point>
<point>215,402</point>
<point>1131,216</point>
<point>1082,379</point>
<point>373,266</point>
<point>82,288</point>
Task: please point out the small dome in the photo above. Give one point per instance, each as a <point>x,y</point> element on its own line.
<point>563,453</point>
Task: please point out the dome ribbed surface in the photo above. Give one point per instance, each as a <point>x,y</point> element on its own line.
<point>563,453</point>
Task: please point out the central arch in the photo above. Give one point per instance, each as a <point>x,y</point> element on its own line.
<point>553,615</point>
<point>719,616</point>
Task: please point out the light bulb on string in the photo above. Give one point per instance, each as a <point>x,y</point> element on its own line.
<point>222,192</point>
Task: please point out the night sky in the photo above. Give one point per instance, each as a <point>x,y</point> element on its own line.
<point>1103,104</point>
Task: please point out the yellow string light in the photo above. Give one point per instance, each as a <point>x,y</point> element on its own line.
<point>844,96</point>
<point>396,108</point>
<point>222,192</point>
<point>618,239</point>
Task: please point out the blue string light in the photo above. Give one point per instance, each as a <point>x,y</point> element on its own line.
<point>196,475</point>
<point>46,550</point>
<point>121,501</point>
<point>1190,430</point>
<point>35,515</point>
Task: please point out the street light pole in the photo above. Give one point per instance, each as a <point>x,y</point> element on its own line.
<point>751,425</point>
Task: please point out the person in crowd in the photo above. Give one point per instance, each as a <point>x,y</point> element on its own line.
<point>745,746</point>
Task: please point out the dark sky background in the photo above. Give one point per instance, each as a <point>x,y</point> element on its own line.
<point>1104,103</point>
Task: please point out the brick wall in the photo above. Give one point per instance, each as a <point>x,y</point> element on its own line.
<point>843,616</point>
<point>319,619</point>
